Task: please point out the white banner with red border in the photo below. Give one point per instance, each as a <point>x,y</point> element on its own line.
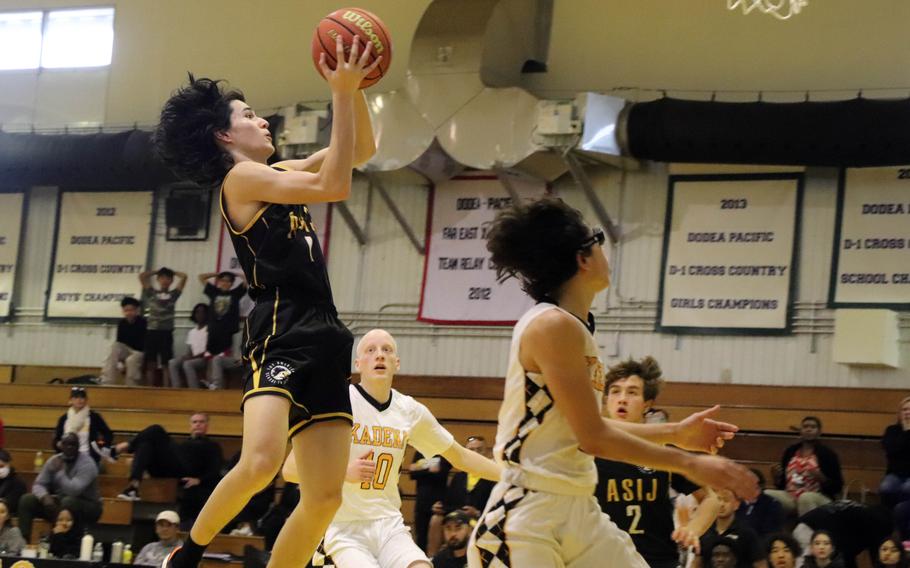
<point>459,281</point>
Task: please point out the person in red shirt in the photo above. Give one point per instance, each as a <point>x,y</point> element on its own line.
<point>809,473</point>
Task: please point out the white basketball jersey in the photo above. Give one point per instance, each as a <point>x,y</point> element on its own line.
<point>534,441</point>
<point>384,430</point>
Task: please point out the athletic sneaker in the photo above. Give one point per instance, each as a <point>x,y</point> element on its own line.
<point>129,494</point>
<point>108,454</point>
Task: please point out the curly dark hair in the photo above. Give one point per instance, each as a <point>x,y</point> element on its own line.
<point>647,369</point>
<point>785,538</point>
<point>185,137</point>
<point>537,242</point>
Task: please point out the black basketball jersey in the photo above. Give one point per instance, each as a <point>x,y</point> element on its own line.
<point>638,501</point>
<point>279,248</point>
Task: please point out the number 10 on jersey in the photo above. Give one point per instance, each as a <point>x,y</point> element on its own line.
<point>381,475</point>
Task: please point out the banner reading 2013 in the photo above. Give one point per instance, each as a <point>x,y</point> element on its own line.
<point>102,246</point>
<point>459,280</point>
<point>871,264</point>
<point>729,248</point>
<point>10,228</point>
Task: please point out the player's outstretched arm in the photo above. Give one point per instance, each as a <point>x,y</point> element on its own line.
<point>472,462</point>
<point>364,142</point>
<point>699,432</point>
<point>254,182</point>
<point>554,344</point>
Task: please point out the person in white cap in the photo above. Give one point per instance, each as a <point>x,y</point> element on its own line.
<point>166,525</point>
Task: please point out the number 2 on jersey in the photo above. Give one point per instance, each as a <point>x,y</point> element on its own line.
<point>634,511</point>
<point>381,475</point>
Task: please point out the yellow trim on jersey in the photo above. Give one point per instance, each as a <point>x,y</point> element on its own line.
<point>277,390</point>
<point>319,418</point>
<point>257,369</point>
<point>227,220</point>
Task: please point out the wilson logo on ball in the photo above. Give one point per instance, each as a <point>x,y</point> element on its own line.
<point>367,27</point>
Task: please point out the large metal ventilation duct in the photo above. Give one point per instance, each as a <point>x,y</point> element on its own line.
<point>465,57</point>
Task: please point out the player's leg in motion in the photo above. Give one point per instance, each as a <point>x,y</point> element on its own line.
<point>261,456</point>
<point>321,475</point>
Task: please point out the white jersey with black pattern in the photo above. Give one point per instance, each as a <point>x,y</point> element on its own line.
<point>534,440</point>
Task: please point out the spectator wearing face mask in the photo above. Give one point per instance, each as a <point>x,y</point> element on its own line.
<point>12,488</point>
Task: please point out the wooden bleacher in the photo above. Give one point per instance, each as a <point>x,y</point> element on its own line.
<point>853,419</point>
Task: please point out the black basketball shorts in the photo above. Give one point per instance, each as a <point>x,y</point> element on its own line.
<point>300,352</point>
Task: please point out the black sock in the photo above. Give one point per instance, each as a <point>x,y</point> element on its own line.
<point>192,552</point>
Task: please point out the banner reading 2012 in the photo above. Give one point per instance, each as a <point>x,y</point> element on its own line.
<point>871,264</point>
<point>729,248</point>
<point>102,246</point>
<point>459,281</point>
<point>10,228</point>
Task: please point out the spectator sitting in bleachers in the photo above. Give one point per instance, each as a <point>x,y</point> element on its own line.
<point>12,488</point>
<point>747,545</point>
<point>822,552</point>
<point>457,527</point>
<point>722,554</point>
<point>195,461</point>
<point>66,536</point>
<point>853,527</point>
<point>68,480</point>
<point>889,554</point>
<point>167,523</point>
<point>194,360</point>
<point>160,307</point>
<point>88,425</point>
<point>782,550</point>
<point>809,473</point>
<point>126,352</point>
<point>224,322</point>
<point>895,487</point>
<point>11,540</point>
<point>764,515</point>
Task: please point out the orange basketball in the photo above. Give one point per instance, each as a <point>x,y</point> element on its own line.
<point>347,23</point>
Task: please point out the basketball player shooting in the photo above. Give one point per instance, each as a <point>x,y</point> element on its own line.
<point>298,350</point>
<point>368,531</point>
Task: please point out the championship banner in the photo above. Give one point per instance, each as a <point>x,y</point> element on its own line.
<point>11,214</point>
<point>871,260</point>
<point>459,281</point>
<point>729,253</point>
<point>101,247</point>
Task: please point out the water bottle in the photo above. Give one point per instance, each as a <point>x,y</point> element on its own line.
<point>85,549</point>
<point>98,552</point>
<point>44,547</point>
<point>39,460</point>
<point>117,552</point>
<point>127,555</point>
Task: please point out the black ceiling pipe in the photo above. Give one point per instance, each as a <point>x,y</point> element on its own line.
<point>854,133</point>
<point>124,160</point>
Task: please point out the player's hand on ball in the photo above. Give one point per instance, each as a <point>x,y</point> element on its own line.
<point>721,473</point>
<point>361,470</point>
<point>701,433</point>
<point>348,74</point>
